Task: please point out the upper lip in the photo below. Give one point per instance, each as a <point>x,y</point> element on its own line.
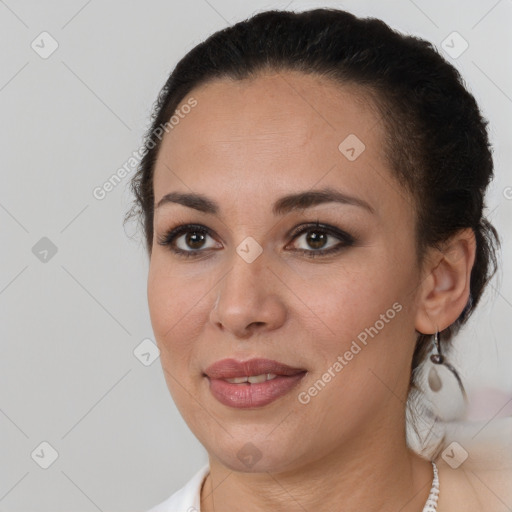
<point>231,368</point>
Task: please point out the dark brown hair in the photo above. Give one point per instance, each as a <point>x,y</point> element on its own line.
<point>436,138</point>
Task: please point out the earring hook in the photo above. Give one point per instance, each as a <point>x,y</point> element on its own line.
<point>438,358</point>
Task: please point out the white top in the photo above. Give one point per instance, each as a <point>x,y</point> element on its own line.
<point>188,498</point>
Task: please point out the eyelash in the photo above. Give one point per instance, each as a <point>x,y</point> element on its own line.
<point>346,240</point>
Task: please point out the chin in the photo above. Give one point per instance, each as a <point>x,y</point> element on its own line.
<point>249,454</point>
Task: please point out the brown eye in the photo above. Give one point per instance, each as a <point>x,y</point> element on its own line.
<point>194,240</point>
<point>189,240</point>
<point>317,240</point>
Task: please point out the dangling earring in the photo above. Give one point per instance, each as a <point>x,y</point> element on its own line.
<point>434,381</point>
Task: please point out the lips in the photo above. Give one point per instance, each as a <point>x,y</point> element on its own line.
<point>231,368</point>
<point>252,383</point>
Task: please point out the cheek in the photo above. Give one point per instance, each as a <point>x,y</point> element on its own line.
<point>360,314</point>
<point>175,304</point>
<point>176,301</point>
<point>347,300</point>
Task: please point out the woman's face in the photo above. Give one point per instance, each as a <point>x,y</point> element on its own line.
<point>337,326</point>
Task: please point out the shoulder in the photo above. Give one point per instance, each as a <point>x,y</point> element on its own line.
<point>474,490</point>
<point>186,499</point>
<point>482,483</point>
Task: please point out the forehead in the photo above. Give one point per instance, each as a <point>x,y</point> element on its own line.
<point>282,128</point>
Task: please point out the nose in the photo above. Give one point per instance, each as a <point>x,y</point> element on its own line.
<point>248,299</point>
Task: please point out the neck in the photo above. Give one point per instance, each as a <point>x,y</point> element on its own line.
<point>371,476</point>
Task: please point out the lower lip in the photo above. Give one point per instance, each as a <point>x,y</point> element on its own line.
<point>245,396</point>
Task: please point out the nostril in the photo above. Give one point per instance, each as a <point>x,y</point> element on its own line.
<point>256,324</point>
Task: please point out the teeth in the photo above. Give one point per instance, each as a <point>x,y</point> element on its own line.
<point>253,379</point>
<point>237,380</point>
<point>256,379</point>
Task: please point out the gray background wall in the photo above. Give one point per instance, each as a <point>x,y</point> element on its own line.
<point>71,320</point>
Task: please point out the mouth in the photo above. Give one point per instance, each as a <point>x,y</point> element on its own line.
<point>252,379</point>
<point>253,383</point>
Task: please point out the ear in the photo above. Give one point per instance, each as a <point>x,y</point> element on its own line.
<point>445,282</point>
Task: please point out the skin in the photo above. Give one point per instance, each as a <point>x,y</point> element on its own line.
<point>246,144</point>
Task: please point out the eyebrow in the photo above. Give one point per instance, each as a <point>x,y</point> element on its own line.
<point>283,205</point>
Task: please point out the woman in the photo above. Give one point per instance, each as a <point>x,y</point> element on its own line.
<point>312,198</point>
